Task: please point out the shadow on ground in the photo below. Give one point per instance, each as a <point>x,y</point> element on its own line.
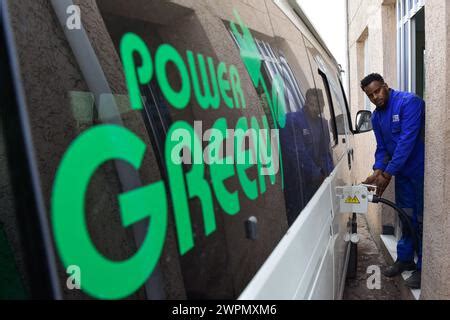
<point>369,255</point>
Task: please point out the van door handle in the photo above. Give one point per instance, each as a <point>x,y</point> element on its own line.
<point>349,158</point>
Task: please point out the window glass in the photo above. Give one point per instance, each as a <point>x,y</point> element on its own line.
<point>302,145</point>
<point>406,62</point>
<point>338,100</point>
<point>322,70</point>
<point>338,104</point>
<point>328,112</point>
<point>408,40</point>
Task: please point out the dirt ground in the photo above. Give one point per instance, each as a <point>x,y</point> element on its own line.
<point>369,255</point>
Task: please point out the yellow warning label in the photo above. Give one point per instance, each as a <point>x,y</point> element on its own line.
<point>353,200</point>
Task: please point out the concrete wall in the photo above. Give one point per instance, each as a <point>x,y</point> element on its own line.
<point>436,237</point>
<point>372,21</point>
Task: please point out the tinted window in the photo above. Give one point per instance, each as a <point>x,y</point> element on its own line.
<point>332,112</point>
<point>304,147</point>
<point>338,99</point>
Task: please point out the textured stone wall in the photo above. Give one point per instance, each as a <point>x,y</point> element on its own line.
<point>436,237</point>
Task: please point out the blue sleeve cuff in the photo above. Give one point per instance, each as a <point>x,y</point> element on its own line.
<point>379,166</point>
<point>390,170</point>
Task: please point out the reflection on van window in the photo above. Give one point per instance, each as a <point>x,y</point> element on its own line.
<point>306,152</point>
<point>322,69</point>
<point>305,142</point>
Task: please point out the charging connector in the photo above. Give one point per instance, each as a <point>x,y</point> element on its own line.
<point>356,198</point>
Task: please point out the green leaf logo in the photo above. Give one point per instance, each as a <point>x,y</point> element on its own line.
<point>249,51</point>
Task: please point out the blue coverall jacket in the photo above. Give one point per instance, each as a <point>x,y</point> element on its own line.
<point>399,131</point>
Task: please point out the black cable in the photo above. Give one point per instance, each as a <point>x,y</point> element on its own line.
<point>405,220</point>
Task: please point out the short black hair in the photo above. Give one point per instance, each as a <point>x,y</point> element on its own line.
<point>310,93</point>
<point>371,78</point>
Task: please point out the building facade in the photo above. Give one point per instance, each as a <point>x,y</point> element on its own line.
<point>407,41</point>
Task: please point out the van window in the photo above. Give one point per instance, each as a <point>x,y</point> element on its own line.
<point>338,99</point>
<point>306,158</point>
<point>331,112</point>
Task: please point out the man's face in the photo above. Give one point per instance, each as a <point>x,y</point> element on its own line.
<point>314,105</point>
<point>378,93</point>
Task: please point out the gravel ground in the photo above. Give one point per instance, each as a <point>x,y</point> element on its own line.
<point>369,255</point>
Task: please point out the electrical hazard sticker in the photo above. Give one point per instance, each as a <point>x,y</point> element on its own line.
<point>353,200</point>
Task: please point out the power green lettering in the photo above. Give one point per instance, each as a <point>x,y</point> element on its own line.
<point>86,154</point>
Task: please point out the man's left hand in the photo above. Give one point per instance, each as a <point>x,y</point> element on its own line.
<point>382,181</point>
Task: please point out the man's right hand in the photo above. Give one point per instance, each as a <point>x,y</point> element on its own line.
<point>371,179</point>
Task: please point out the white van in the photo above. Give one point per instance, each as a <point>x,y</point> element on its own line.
<point>171,149</point>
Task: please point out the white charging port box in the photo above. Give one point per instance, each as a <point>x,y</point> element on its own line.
<point>353,198</point>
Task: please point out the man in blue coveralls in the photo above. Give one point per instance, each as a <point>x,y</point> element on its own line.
<point>398,123</point>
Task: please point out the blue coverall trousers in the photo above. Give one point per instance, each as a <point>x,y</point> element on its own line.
<point>409,196</point>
